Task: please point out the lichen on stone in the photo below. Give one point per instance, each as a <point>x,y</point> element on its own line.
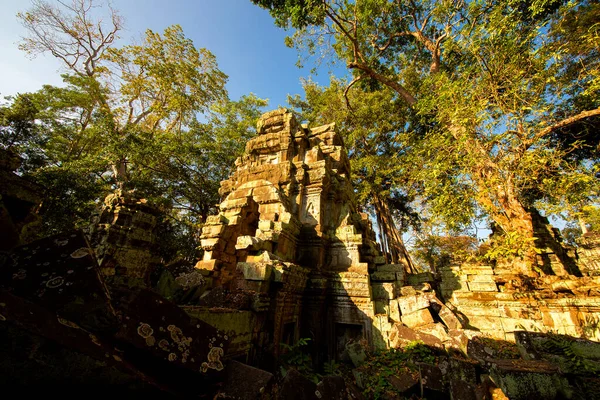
<point>145,330</point>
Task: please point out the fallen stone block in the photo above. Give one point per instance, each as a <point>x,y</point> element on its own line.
<point>417,318</point>
<point>461,390</point>
<point>431,377</point>
<point>572,355</point>
<point>260,271</point>
<point>356,353</point>
<point>435,329</point>
<point>409,304</point>
<point>160,328</point>
<point>61,274</point>
<point>400,336</point>
<point>43,349</point>
<point>405,381</point>
<point>243,382</point>
<point>463,370</point>
<point>446,314</point>
<point>332,387</point>
<point>297,387</point>
<point>521,379</point>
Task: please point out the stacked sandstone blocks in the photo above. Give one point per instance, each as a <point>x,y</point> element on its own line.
<point>289,229</point>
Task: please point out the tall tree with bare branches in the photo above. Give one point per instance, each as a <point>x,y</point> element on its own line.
<point>156,87</point>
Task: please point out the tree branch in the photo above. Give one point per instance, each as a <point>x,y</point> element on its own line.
<point>358,78</point>
<point>398,88</point>
<point>567,122</point>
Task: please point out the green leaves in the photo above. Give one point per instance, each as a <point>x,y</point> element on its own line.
<point>294,13</point>
<point>165,81</point>
<point>484,81</point>
<point>392,362</point>
<point>128,116</point>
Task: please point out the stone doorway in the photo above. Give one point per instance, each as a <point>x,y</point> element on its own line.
<point>344,334</point>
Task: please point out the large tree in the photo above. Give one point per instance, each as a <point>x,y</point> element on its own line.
<point>151,117</point>
<point>155,88</point>
<point>490,82</point>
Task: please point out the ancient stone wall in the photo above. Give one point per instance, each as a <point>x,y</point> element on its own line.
<point>124,238</point>
<point>289,256</point>
<point>289,230</point>
<point>498,304</point>
<point>588,253</point>
<point>18,199</point>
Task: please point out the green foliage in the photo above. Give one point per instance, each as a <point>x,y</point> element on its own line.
<point>296,357</point>
<point>508,245</point>
<point>591,215</point>
<point>577,362</point>
<point>178,237</point>
<point>294,13</point>
<point>392,362</point>
<point>436,251</point>
<point>128,116</point>
<point>186,168</point>
<point>503,94</point>
<point>587,216</point>
<point>331,368</point>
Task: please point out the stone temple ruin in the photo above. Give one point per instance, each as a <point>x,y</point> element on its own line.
<point>289,229</point>
<point>288,256</point>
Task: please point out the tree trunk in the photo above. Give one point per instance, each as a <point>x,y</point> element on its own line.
<point>509,213</point>
<point>120,173</point>
<point>582,225</point>
<point>497,195</point>
<point>392,236</point>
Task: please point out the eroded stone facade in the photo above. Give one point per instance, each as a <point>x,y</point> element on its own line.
<point>289,256</point>
<point>497,303</point>
<point>289,228</point>
<point>588,253</point>
<point>124,237</point>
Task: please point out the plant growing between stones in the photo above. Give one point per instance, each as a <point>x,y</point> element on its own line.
<point>393,362</point>
<point>295,357</point>
<point>576,360</point>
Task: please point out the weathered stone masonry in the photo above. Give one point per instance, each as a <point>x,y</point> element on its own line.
<point>289,224</point>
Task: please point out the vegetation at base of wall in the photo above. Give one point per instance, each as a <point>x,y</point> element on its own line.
<point>295,356</point>
<point>393,362</point>
<point>500,348</point>
<point>577,361</point>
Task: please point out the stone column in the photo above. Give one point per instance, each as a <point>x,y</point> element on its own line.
<point>124,238</point>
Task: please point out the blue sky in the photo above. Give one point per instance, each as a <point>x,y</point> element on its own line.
<point>248,46</point>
